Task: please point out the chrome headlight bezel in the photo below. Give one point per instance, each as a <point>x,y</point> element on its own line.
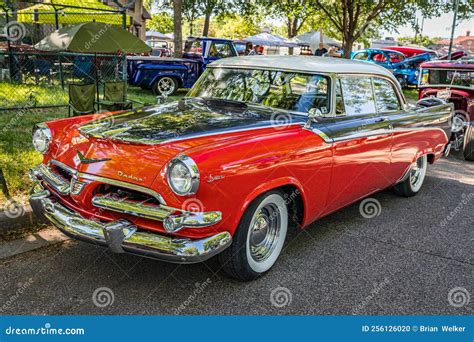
<point>193,171</point>
<point>41,137</point>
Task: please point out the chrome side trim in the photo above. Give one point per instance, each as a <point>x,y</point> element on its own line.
<point>193,171</point>
<point>322,135</point>
<point>122,236</point>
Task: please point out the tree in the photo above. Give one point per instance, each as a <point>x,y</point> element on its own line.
<point>177,22</point>
<point>191,11</point>
<point>161,22</point>
<point>351,18</point>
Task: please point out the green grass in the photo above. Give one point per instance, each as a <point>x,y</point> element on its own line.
<point>411,94</point>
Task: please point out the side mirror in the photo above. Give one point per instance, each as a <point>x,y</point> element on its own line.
<point>313,113</point>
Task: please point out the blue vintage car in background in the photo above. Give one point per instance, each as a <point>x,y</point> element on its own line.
<point>167,75</point>
<point>406,70</point>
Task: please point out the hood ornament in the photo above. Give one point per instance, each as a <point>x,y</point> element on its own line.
<point>84,160</point>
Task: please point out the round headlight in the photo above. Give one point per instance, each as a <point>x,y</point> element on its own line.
<point>41,138</point>
<point>183,176</point>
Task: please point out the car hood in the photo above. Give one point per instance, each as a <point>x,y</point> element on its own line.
<point>186,119</point>
<point>136,146</point>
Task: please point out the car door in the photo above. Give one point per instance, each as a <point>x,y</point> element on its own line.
<point>361,142</point>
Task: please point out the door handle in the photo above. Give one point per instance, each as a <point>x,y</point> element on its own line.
<point>381,119</point>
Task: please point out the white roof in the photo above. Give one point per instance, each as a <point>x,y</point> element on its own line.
<point>303,64</point>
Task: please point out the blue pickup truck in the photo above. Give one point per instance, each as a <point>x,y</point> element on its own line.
<point>167,75</point>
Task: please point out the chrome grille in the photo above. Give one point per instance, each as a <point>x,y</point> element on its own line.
<point>76,187</point>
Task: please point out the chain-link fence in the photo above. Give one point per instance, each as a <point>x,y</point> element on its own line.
<point>31,76</point>
<point>42,79</point>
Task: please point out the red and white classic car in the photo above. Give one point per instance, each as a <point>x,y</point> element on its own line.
<point>260,144</point>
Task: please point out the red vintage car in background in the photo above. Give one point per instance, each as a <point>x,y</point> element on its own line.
<point>409,51</point>
<point>260,144</point>
<point>453,81</point>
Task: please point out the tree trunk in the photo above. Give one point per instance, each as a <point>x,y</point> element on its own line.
<point>347,46</point>
<point>178,34</point>
<point>191,26</point>
<point>207,20</point>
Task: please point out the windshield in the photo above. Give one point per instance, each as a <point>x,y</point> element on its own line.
<point>459,78</point>
<point>277,89</point>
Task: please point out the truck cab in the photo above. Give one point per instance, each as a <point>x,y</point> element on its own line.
<point>164,76</point>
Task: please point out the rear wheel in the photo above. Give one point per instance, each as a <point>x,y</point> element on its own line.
<point>415,178</point>
<point>468,145</point>
<point>165,86</point>
<point>259,238</point>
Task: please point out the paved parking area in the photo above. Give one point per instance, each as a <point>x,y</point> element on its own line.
<point>406,260</point>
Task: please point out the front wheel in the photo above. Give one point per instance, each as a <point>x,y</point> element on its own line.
<point>415,178</point>
<point>468,146</point>
<point>259,238</point>
<point>165,86</point>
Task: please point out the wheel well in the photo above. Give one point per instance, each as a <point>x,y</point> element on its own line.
<point>294,200</point>
<point>431,158</point>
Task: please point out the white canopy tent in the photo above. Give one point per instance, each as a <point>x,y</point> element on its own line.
<point>313,38</point>
<point>268,39</point>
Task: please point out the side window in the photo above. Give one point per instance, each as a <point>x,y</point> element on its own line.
<point>361,56</point>
<point>358,95</point>
<point>385,96</point>
<point>220,50</point>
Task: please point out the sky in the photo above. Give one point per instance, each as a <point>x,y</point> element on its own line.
<point>436,27</point>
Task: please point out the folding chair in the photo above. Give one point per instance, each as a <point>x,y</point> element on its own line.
<point>81,98</point>
<point>115,97</point>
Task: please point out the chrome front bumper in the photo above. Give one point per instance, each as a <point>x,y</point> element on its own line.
<point>122,236</point>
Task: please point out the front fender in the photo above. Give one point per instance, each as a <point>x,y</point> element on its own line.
<point>274,184</point>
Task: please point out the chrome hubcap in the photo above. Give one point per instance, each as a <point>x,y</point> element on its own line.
<point>416,173</point>
<point>264,233</point>
<point>166,86</point>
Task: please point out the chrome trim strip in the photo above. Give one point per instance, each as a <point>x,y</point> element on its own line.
<point>321,134</point>
<point>122,236</point>
<point>123,185</point>
<point>109,181</point>
<point>174,218</point>
<point>44,173</point>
